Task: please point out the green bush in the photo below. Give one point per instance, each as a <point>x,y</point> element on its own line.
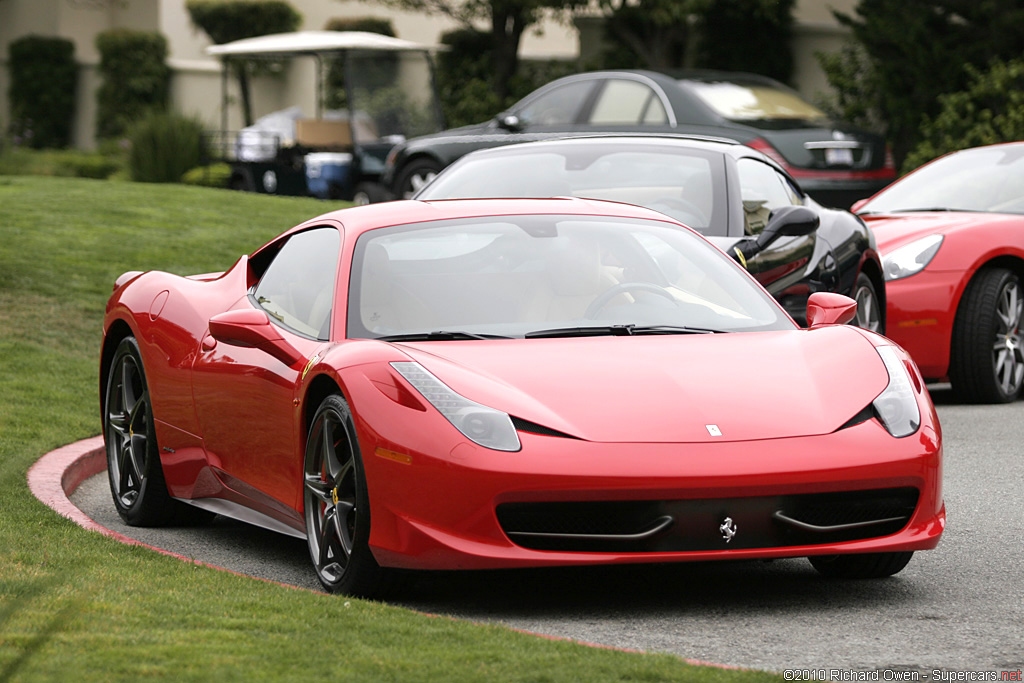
<point>42,92</point>
<point>136,79</point>
<point>164,146</point>
<point>67,163</point>
<point>214,175</point>
<point>228,20</point>
<point>990,110</point>
<point>369,24</point>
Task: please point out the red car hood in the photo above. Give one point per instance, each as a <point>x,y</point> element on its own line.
<point>669,388</point>
<point>895,230</point>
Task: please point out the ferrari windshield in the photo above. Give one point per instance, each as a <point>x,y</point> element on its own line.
<point>685,183</point>
<point>548,275</point>
<point>986,179</point>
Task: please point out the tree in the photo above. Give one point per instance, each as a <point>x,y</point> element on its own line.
<point>747,35</point>
<point>507,20</point>
<point>225,21</point>
<point>651,34</point>
<point>988,111</point>
<point>913,51</point>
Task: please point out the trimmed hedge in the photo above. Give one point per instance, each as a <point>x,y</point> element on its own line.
<point>228,20</point>
<point>368,24</point>
<point>44,77</point>
<point>136,79</point>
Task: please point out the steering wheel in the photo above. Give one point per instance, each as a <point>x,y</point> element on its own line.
<point>682,210</point>
<point>607,295</point>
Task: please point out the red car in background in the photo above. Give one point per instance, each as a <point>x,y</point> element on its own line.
<point>516,383</point>
<point>951,235</point>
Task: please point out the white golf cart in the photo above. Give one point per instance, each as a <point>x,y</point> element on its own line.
<point>371,92</point>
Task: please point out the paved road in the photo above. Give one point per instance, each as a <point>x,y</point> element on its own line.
<point>957,608</point>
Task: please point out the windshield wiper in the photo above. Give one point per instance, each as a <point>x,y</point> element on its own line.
<point>439,335</point>
<point>617,331</point>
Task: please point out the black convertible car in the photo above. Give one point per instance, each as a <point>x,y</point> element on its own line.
<point>835,163</point>
<point>727,191</point>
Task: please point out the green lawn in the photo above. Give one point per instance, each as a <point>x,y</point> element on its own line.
<point>76,605</point>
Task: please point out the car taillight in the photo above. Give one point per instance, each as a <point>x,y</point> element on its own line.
<point>765,148</point>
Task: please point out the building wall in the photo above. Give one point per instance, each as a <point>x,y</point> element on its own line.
<point>196,85</point>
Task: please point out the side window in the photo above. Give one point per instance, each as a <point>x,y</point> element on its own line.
<point>297,289</point>
<point>558,107</point>
<point>628,102</point>
<point>762,190</point>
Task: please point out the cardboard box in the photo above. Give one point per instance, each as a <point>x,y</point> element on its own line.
<point>319,134</point>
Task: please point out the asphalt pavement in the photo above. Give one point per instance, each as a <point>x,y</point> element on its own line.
<point>954,610</point>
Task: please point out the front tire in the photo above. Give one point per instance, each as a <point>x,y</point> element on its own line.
<point>133,459</point>
<point>987,358</point>
<point>336,504</point>
<point>863,566</point>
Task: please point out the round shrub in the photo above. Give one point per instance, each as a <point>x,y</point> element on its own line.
<point>164,146</point>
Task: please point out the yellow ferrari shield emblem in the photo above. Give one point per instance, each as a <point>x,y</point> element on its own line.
<point>334,495</point>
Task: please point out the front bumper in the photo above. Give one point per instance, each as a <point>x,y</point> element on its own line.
<point>433,511</point>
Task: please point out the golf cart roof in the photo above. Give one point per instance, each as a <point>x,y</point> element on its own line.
<point>313,42</point>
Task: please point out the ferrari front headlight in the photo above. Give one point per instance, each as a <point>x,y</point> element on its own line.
<point>896,405</point>
<point>910,259</point>
<point>486,426</point>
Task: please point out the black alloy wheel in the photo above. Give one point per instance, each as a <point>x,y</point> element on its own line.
<point>987,355</point>
<point>336,504</point>
<point>133,463</point>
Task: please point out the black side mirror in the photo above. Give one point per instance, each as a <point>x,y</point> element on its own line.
<point>786,221</point>
<point>509,122</point>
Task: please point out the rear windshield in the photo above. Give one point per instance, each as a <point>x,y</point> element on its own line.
<point>754,102</point>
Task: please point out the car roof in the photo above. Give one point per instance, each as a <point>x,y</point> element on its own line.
<point>676,75</point>
<point>670,140</point>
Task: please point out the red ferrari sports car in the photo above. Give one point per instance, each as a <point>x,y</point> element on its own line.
<point>512,383</point>
<point>952,239</point>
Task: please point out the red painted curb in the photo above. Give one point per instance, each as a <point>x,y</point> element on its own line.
<point>56,475</point>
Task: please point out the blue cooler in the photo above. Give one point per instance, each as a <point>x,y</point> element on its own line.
<point>325,170</point>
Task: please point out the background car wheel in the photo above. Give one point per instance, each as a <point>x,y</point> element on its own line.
<point>369,193</point>
<point>336,504</point>
<point>869,311</point>
<point>415,175</point>
<point>986,359</point>
<point>865,566</point>
<point>133,460</point>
